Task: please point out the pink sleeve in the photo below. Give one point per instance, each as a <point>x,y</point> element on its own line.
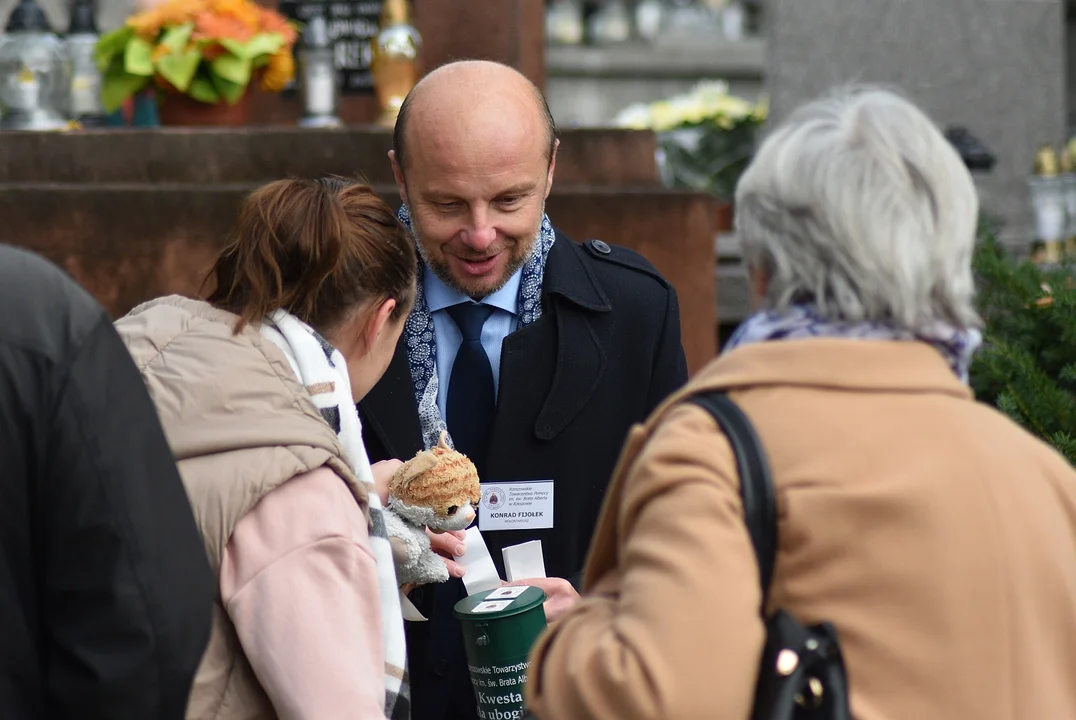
<point>299,582</point>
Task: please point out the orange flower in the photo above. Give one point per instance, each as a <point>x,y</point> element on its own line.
<point>279,72</point>
<point>274,22</point>
<point>210,26</point>
<point>148,24</point>
<point>241,10</point>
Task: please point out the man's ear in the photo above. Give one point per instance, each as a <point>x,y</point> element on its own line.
<point>397,172</point>
<point>552,167</point>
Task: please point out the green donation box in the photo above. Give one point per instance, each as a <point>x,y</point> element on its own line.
<point>499,629</point>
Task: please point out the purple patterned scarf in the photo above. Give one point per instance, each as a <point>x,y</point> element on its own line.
<point>799,322</point>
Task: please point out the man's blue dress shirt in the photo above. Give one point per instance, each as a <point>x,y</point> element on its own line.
<point>505,317</point>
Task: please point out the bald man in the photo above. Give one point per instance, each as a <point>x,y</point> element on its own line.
<point>536,353</point>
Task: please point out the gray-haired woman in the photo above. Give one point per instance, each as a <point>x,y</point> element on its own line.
<point>937,536</point>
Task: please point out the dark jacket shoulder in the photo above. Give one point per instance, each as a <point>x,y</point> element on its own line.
<point>613,264</point>
<point>622,257</point>
<point>46,313</point>
<point>105,587</point>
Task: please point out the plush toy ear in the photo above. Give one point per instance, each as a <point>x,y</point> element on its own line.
<point>410,470</point>
<point>442,444</point>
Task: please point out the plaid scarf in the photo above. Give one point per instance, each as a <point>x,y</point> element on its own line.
<point>799,322</point>
<point>318,364</point>
<point>422,340</point>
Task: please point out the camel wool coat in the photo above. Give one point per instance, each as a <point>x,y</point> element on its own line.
<point>935,534</point>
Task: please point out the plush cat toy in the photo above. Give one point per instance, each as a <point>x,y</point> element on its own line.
<point>437,489</point>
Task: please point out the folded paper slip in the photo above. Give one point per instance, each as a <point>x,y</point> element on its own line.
<point>524,561</point>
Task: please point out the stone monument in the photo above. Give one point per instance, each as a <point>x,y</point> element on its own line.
<point>996,68</point>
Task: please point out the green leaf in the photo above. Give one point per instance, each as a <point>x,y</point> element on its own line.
<point>265,44</point>
<point>233,69</point>
<point>111,44</point>
<point>229,90</point>
<point>138,57</point>
<point>179,68</point>
<point>203,90</point>
<point>233,46</point>
<point>260,44</point>
<point>118,85</point>
<point>176,38</point>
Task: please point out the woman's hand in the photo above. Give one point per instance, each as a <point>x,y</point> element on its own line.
<point>449,545</point>
<point>383,472</point>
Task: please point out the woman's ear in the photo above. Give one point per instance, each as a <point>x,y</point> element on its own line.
<point>378,322</point>
<point>758,287</point>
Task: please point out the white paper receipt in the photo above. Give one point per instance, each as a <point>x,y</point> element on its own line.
<point>485,607</point>
<point>516,506</point>
<point>481,572</point>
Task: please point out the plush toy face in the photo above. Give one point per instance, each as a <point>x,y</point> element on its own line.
<point>448,517</point>
<point>455,517</point>
<point>437,488</point>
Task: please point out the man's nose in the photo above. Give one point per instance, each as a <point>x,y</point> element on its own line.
<point>481,234</point>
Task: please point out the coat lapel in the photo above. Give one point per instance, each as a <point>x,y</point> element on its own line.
<point>389,410</point>
<point>571,295</point>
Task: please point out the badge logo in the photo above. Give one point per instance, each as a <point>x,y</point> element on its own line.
<point>493,498</point>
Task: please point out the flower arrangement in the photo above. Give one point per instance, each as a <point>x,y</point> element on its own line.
<point>706,137</point>
<point>209,50</point>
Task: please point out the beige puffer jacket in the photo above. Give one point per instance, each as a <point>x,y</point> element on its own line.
<point>240,424</point>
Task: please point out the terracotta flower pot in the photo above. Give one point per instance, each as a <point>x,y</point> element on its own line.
<point>180,110</point>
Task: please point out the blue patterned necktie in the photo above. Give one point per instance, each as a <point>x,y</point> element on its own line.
<point>471,399</point>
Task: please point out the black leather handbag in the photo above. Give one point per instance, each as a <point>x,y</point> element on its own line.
<point>802,675</point>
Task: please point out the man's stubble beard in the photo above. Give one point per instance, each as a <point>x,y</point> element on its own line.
<point>444,273</point>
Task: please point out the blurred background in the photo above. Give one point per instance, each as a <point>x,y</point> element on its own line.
<point>660,103</point>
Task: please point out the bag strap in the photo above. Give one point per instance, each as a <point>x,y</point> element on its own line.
<point>756,483</point>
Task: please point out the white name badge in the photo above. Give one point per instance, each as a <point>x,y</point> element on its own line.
<point>524,505</point>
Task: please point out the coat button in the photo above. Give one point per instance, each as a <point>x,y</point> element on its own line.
<point>441,668</point>
<point>601,246</point>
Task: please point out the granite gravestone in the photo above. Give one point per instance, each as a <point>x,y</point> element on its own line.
<point>352,24</point>
<point>996,68</point>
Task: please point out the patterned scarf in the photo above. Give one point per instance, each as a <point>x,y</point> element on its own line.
<point>422,340</point>
<point>800,322</point>
<point>323,371</point>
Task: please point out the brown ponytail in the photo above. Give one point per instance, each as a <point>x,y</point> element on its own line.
<point>317,248</point>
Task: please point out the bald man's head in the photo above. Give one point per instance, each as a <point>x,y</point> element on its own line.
<point>467,83</point>
<point>479,149</point>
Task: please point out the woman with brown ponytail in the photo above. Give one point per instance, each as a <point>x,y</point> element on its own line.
<point>256,390</point>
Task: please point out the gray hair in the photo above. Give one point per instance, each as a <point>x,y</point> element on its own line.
<point>859,206</point>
